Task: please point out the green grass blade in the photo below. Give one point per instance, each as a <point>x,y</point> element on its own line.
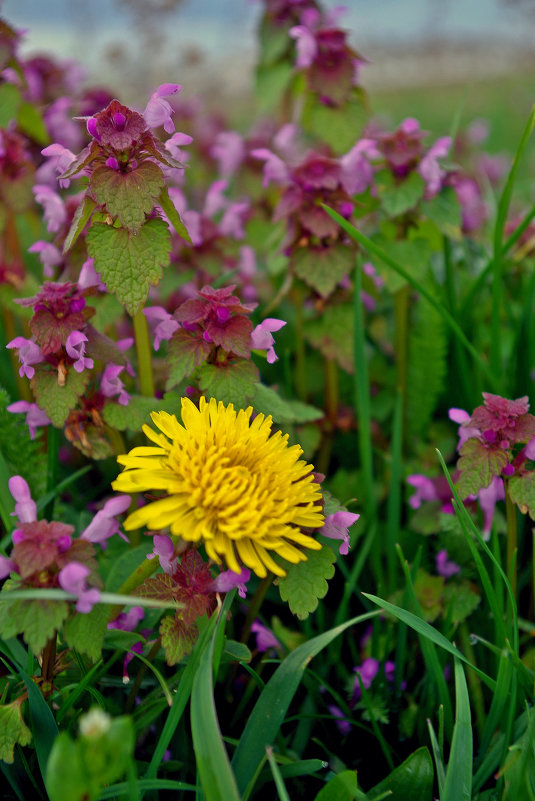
<point>43,726</point>
<point>213,765</point>
<point>437,756</point>
<point>375,250</point>
<point>269,711</point>
<point>500,701</point>
<point>458,783</point>
<point>279,781</point>
<point>393,519</point>
<point>144,785</point>
<point>420,626</point>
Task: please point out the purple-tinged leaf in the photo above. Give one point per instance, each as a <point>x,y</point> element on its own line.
<point>185,352</point>
<point>478,464</point>
<point>128,196</point>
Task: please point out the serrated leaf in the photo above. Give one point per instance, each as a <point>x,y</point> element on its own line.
<point>79,221</point>
<point>234,336</point>
<point>521,490</point>
<point>332,335</point>
<point>233,382</point>
<point>129,263</point>
<point>12,730</point>
<point>459,601</point>
<point>396,199</point>
<point>323,268</point>
<point>267,401</point>
<point>161,587</point>
<point>414,256</point>
<point>339,126</point>
<point>137,412</point>
<point>445,210</point>
<point>57,401</point>
<point>306,582</point>
<point>51,331</point>
<point>168,207</point>
<point>85,632</point>
<point>478,465</point>
<point>36,619</point>
<point>185,352</point>
<point>177,639</point>
<point>128,196</point>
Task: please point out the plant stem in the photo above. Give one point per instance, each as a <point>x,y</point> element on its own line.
<point>52,468</point>
<point>145,569</point>
<point>144,354</point>
<point>401,345</point>
<point>331,415</point>
<point>300,352</point>
<point>510,514</point>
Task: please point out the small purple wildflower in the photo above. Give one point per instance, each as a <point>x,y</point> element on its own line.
<point>367,672</point>
<point>104,525</point>
<point>228,579</point>
<point>75,347</point>
<point>55,213</point>
<point>73,579</point>
<point>127,621</point>
<point>158,111</point>
<point>49,255</point>
<point>265,639</point>
<point>35,417</point>
<point>342,724</point>
<point>61,159</point>
<point>445,567</point>
<point>337,526</point>
<point>229,151</point>
<point>162,323</point>
<point>29,353</point>
<point>164,549</point>
<point>261,338</point>
<point>111,384</point>
<point>25,506</point>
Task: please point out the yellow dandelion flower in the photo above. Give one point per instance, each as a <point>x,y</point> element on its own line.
<point>230,484</point>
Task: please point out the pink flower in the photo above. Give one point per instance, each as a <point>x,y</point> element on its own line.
<point>175,144</point>
<point>73,579</point>
<point>111,384</point>
<point>29,353</point>
<point>75,347</point>
<point>356,168</point>
<point>261,338</point>
<point>164,549</point>
<point>54,209</point>
<point>35,416</point>
<point>367,672</point>
<point>228,579</point>
<point>162,323</point>
<point>465,432</point>
<point>89,277</point>
<point>158,111</point>
<point>337,526</point>
<point>104,525</point>
<point>430,169</point>
<point>306,46</point>
<point>127,621</point>
<point>274,167</point>
<point>229,151</point>
<point>445,567</point>
<point>7,566</point>
<point>25,507</point>
<point>265,639</point>
<point>61,158</point>
<point>49,255</point>
<point>342,724</point>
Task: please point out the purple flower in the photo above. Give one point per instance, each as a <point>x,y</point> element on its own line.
<point>7,566</point>
<point>89,277</point>
<point>229,151</point>
<point>49,255</point>
<point>111,384</point>
<point>343,725</point>
<point>367,672</point>
<point>430,169</point>
<point>54,210</point>
<point>228,579</point>
<point>175,144</point>
<point>61,158</point>
<point>75,347</point>
<point>356,168</point>
<point>233,219</point>
<point>104,525</point>
<point>158,111</point>
<point>445,567</point>
<point>29,353</point>
<point>35,416</point>
<point>73,579</point>
<point>25,507</point>
<point>162,323</point>
<point>274,167</point>
<point>127,621</point>
<point>164,549</point>
<point>488,497</point>
<point>464,432</point>
<point>337,526</point>
<point>60,125</point>
<point>261,338</point>
<point>265,639</point>
<point>215,201</point>
<point>306,46</point>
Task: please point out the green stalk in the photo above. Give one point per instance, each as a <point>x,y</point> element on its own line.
<point>476,691</point>
<point>512,536</point>
<point>401,345</point>
<point>144,354</point>
<point>142,572</point>
<point>300,350</point>
<point>497,259</point>
<point>331,415</point>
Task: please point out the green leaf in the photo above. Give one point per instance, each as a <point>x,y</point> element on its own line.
<point>71,784</point>
<point>178,639</point>
<point>445,210</point>
<point>130,263</point>
<point>413,779</point>
<point>185,352</point>
<point>37,620</point>
<point>478,464</point>
<point>172,214</point>
<point>85,632</point>
<point>271,83</point>
<point>323,268</point>
<point>306,582</point>
<point>413,255</point>
<point>137,412</point>
<point>20,456</point>
<point>30,122</point>
<point>342,787</point>
<point>460,600</point>
<point>397,198</point>
<point>267,401</point>
<point>57,401</point>
<point>79,221</point>
<point>10,100</point>
<point>12,729</point>
<point>128,196</point>
<point>233,382</point>
<point>270,709</point>
<point>338,126</point>
<point>458,784</point>
<point>332,334</point>
<point>521,490</point>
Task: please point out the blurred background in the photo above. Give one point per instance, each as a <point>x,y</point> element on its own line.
<point>426,58</point>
